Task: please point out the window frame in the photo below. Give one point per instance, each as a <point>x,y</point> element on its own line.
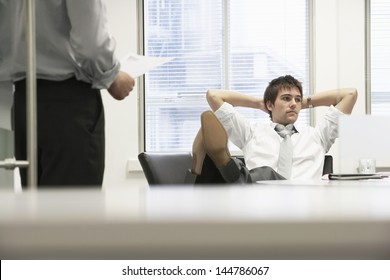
<point>368,56</point>
<point>368,59</point>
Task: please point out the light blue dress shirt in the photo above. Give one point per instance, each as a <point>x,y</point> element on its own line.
<point>72,39</point>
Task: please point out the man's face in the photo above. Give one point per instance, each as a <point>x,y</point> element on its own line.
<point>287,106</point>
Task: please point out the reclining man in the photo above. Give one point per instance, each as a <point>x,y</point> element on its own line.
<point>268,154</point>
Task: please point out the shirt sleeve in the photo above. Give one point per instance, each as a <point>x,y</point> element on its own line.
<point>328,128</point>
<point>92,45</point>
<point>236,126</point>
<point>11,35</point>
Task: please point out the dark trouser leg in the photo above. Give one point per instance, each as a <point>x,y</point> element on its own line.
<point>264,173</point>
<point>71,138</point>
<point>210,174</point>
<point>234,173</point>
<point>19,126</point>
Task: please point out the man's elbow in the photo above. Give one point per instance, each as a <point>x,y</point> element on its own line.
<point>214,99</point>
<point>210,95</point>
<point>348,101</point>
<point>353,95</point>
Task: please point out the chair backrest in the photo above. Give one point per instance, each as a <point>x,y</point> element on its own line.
<point>167,168</point>
<point>174,168</point>
<point>328,165</point>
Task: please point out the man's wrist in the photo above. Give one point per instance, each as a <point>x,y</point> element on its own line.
<point>309,102</point>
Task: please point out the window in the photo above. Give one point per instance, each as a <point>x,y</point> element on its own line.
<point>380,56</point>
<point>217,44</point>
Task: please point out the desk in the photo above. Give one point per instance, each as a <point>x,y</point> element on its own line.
<point>346,220</point>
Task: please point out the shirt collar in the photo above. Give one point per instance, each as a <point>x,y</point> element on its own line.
<point>272,124</point>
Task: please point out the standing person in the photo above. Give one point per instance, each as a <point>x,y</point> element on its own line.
<point>74,60</point>
<point>261,143</point>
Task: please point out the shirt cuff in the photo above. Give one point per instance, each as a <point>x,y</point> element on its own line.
<point>333,114</point>
<point>224,111</point>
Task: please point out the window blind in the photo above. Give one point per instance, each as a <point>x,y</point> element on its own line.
<point>217,44</point>
<point>380,57</point>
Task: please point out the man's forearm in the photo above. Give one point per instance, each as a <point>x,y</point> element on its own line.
<point>216,98</point>
<point>344,99</point>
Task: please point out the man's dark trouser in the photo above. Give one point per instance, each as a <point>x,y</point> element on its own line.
<point>70,127</point>
<point>234,173</point>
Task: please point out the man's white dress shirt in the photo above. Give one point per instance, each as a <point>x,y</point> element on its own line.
<point>260,143</point>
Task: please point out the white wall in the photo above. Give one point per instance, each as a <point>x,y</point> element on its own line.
<point>6,152</point>
<point>340,62</point>
<point>340,51</point>
<point>122,116</point>
<point>6,135</point>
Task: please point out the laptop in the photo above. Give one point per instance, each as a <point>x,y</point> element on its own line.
<point>363,137</point>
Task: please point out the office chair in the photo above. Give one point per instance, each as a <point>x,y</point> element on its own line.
<point>328,165</point>
<point>167,168</point>
<point>174,169</point>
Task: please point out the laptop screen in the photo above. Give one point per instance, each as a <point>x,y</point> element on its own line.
<point>362,137</point>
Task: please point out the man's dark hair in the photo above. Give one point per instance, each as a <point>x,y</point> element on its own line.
<point>283,82</point>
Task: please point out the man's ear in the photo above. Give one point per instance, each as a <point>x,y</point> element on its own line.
<point>269,105</point>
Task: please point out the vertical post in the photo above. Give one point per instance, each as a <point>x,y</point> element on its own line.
<point>31,104</point>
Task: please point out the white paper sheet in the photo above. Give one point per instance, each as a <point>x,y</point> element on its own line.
<point>136,65</point>
<point>5,104</point>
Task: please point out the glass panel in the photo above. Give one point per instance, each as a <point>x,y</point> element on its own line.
<point>380,57</point>
<point>217,44</point>
<point>268,39</point>
<point>190,31</point>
